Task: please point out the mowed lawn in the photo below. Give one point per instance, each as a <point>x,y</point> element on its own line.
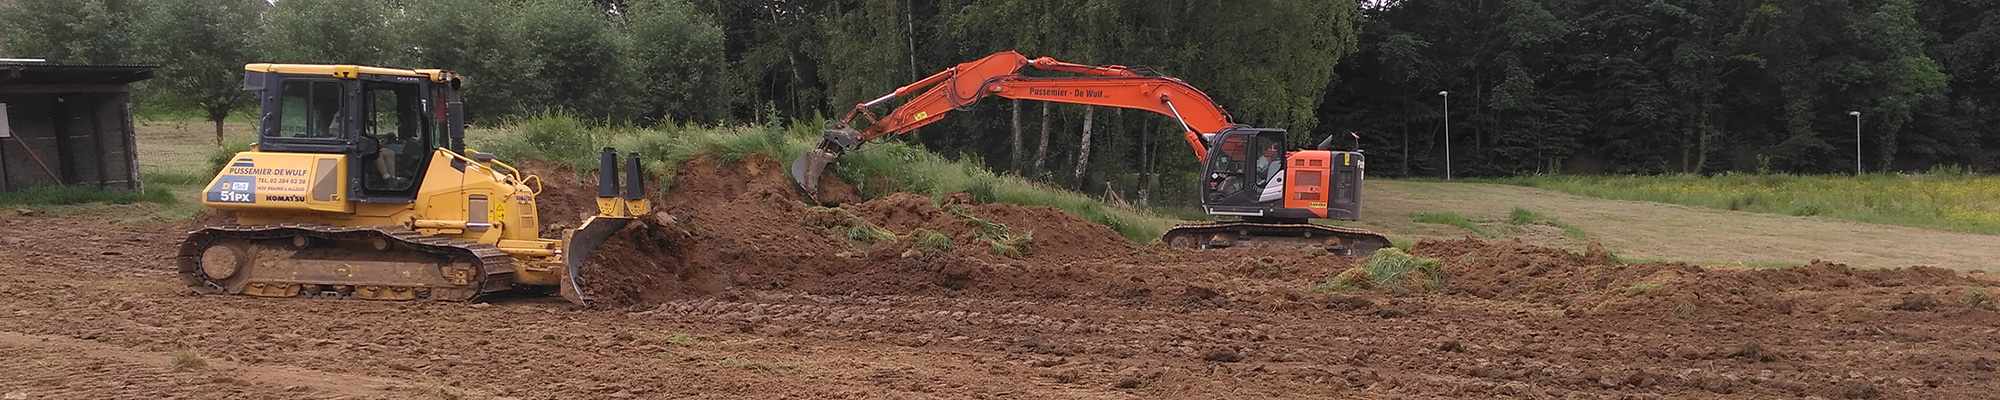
<point>1640,230</point>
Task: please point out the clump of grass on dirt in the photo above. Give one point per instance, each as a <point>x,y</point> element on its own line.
<point>1453,219</point>
<point>930,242</point>
<point>852,228</point>
<point>186,359</point>
<point>1943,198</point>
<point>1388,268</point>
<point>62,195</point>
<point>999,239</point>
<point>876,169</point>
<point>1524,216</point>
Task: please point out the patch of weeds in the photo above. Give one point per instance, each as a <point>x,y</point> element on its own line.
<point>1468,258</point>
<point>1453,219</point>
<point>680,339</point>
<point>1683,309</point>
<point>1402,242</point>
<point>930,242</point>
<point>1352,280</point>
<point>1977,297</point>
<point>1393,267</point>
<point>187,359</point>
<point>1524,216</point>
<point>850,227</point>
<point>1388,268</point>
<point>1641,288</point>
<point>999,239</point>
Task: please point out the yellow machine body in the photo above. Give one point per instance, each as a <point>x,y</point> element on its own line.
<point>360,186</point>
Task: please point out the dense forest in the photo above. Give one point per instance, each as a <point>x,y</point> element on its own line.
<point>1535,86</point>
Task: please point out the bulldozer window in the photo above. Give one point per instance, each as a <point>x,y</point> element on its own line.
<point>394,120</point>
<point>309,109</point>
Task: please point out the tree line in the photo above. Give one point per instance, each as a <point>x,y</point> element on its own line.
<point>1536,86</point>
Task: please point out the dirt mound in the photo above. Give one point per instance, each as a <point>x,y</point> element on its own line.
<point>743,226</point>
<point>1594,283</point>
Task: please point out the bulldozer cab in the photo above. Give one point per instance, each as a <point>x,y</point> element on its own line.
<point>386,121</point>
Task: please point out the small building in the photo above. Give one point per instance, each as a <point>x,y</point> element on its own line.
<point>68,125</point>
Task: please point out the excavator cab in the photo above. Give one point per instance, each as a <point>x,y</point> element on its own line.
<point>1243,164</point>
<point>1248,174</point>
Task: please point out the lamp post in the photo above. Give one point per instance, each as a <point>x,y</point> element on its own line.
<point>1857,141</point>
<point>1447,133</point>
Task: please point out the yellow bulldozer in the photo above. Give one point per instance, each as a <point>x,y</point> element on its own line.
<point>359,185</point>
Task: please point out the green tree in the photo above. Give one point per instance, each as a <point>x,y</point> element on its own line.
<point>677,51</point>
<point>330,32</point>
<point>201,46</point>
<point>69,31</point>
<point>575,53</point>
<point>476,38</point>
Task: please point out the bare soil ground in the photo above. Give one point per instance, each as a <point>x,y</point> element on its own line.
<point>737,291</point>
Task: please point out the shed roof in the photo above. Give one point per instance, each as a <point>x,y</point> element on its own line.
<point>59,74</point>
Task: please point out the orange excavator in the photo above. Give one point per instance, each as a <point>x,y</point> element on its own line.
<point>1271,195</point>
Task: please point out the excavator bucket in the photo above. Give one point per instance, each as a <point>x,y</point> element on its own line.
<point>809,167</point>
<point>615,210</point>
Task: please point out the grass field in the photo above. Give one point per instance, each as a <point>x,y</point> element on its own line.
<point>1654,231</point>
<point>1944,199</point>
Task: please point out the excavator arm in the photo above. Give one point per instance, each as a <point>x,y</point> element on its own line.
<point>999,75</point>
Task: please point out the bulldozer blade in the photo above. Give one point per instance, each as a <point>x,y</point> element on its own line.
<point>578,245</point>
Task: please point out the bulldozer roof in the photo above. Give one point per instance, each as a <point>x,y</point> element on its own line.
<point>345,71</point>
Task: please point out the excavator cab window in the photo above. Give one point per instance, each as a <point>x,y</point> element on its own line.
<point>394,121</point>
<point>1226,168</point>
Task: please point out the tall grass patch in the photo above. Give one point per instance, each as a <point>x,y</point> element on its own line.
<point>1943,198</point>
<point>1389,268</point>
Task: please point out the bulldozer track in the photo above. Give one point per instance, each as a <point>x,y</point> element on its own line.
<point>491,268</point>
<point>1351,242</point>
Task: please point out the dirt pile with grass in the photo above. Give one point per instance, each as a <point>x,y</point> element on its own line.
<point>743,226</point>
<point>1596,283</point>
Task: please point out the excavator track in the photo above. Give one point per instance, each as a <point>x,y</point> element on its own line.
<point>366,262</point>
<point>1340,241</point>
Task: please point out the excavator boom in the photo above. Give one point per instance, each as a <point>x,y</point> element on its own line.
<point>999,75</point>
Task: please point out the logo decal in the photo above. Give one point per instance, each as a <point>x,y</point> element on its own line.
<point>244,162</point>
<point>233,189</point>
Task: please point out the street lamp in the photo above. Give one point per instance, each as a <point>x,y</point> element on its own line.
<point>1447,133</point>
<point>1857,141</point>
